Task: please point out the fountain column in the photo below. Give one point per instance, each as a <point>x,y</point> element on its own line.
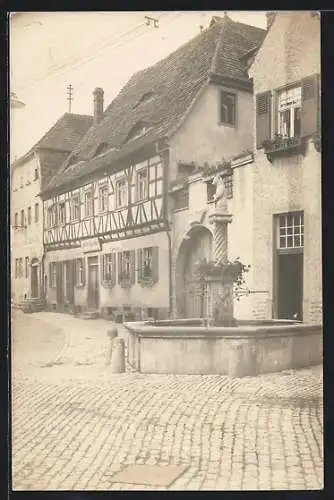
<point>221,290</point>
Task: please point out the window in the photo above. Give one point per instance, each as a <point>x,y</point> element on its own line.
<point>52,215</point>
<point>181,198</point>
<point>36,174</point>
<point>108,267</point>
<point>210,191</point>
<point>29,215</point>
<point>22,218</point>
<point>62,213</point>
<point>104,198</point>
<point>228,182</point>
<point>289,112</point>
<point>227,108</point>
<point>148,265</point>
<point>122,193</point>
<point>16,268</point>
<point>16,220</point>
<point>89,203</point>
<point>80,272</point>
<point>142,184</point>
<point>291,231</point>
<point>20,267</point>
<point>36,212</point>
<point>26,267</point>
<point>125,265</point>
<point>75,212</point>
<point>53,274</point>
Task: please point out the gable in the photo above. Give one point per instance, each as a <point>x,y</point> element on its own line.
<point>290,51</point>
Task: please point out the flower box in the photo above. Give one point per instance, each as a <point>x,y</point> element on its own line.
<point>283,145</point>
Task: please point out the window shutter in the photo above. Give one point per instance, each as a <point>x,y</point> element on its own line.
<point>119,269</point>
<point>102,268</point>
<point>155,264</point>
<point>310,113</point>
<point>83,272</point>
<point>139,265</point>
<point>263,118</point>
<point>113,271</point>
<point>50,277</point>
<point>133,266</point>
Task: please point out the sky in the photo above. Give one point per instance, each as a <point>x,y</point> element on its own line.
<point>50,50</point>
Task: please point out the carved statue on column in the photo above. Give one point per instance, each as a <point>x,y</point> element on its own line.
<point>219,198</point>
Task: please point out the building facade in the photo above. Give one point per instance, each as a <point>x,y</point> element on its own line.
<point>287,169</point>
<point>113,213</point>
<point>28,177</point>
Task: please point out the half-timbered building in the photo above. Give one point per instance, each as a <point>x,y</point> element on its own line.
<point>110,211</point>
<point>30,174</point>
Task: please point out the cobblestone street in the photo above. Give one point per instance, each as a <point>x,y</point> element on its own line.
<point>75,425</point>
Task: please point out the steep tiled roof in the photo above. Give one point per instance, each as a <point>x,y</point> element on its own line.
<point>64,135</point>
<point>173,84</point>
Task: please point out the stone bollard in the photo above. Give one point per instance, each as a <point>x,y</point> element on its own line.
<point>117,364</point>
<point>112,334</point>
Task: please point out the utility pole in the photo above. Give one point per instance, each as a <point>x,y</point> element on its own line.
<point>149,20</point>
<point>70,97</point>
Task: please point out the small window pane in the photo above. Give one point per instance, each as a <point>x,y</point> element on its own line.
<point>296,241</point>
<point>282,242</point>
<point>289,242</point>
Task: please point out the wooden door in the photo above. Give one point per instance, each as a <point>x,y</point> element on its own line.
<point>290,286</point>
<point>93,283</point>
<point>196,300</point>
<point>34,281</point>
<point>69,272</point>
<point>60,283</point>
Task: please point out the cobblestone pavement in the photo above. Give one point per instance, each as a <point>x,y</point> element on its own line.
<point>75,424</point>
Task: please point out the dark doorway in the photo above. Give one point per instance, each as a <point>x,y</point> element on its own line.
<point>34,280</point>
<point>93,283</point>
<point>69,273</point>
<point>290,286</point>
<point>60,284</point>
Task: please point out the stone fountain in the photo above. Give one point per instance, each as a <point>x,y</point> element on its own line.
<point>222,345</point>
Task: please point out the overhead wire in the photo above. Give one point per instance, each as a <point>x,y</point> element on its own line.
<point>82,60</point>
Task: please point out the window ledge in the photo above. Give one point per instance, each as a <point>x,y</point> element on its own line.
<point>223,124</point>
<point>284,146</point>
<point>180,209</point>
<point>125,283</point>
<point>108,284</point>
<point>80,286</point>
<point>147,282</point>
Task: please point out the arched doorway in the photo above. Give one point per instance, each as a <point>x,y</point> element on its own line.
<point>190,291</point>
<point>34,278</point>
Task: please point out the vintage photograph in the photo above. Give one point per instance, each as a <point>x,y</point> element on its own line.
<point>166,251</point>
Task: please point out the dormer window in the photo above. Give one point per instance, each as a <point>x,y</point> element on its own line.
<point>72,160</point>
<point>144,98</point>
<point>138,130</point>
<point>102,148</point>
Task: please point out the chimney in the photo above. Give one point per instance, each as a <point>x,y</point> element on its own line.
<point>270,18</point>
<point>98,105</point>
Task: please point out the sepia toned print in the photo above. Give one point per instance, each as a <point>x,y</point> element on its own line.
<point>166,279</point>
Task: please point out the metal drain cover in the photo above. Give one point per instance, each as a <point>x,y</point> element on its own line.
<point>152,475</point>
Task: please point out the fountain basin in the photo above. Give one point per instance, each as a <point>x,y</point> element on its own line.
<point>252,347</point>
